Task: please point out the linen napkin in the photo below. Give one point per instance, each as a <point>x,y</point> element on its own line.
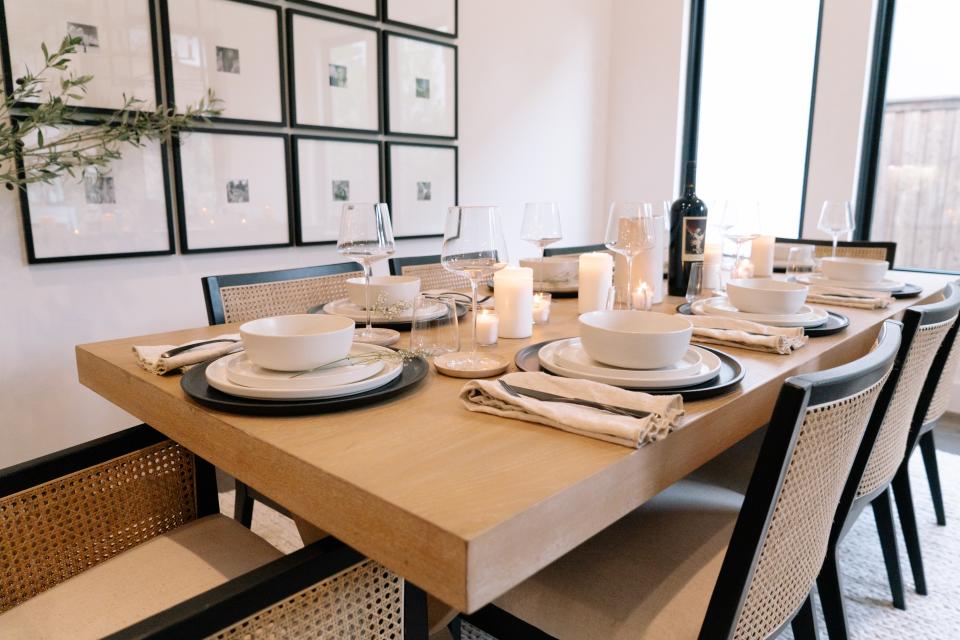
<point>842,297</point>
<point>745,334</point>
<point>487,396</point>
<point>150,358</point>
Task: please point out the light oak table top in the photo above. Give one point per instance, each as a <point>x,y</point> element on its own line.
<point>463,504</point>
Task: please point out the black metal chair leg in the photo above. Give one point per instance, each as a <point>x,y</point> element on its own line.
<point>883,512</point>
<point>455,628</point>
<point>805,623</point>
<point>414,612</point>
<point>928,449</point>
<point>831,596</point>
<point>243,505</point>
<point>908,524</point>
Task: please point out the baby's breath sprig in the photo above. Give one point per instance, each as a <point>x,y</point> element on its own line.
<point>390,311</point>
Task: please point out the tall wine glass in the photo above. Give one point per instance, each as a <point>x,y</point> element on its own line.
<point>741,219</point>
<point>631,228</point>
<point>541,226</point>
<point>836,217</point>
<point>366,236</point>
<point>474,246</point>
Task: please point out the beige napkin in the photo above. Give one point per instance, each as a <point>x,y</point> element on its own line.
<point>745,334</point>
<point>841,297</point>
<point>149,357</point>
<point>488,396</point>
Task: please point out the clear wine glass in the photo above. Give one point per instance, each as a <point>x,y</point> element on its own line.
<point>631,228</point>
<point>541,226</point>
<point>741,219</point>
<point>474,246</point>
<point>366,236</point>
<point>836,218</point>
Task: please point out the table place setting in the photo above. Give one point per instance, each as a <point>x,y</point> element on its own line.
<point>857,277</point>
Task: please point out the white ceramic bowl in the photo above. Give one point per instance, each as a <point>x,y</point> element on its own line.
<point>635,339</point>
<point>854,269</point>
<point>554,269</point>
<point>297,342</point>
<point>385,291</point>
<point>767,296</point>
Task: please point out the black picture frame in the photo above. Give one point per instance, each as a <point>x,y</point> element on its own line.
<point>385,66</point>
<point>326,6</point>
<point>456,21</point>
<point>295,177</point>
<point>28,229</point>
<point>292,72</point>
<point>7,63</point>
<point>179,190</point>
<point>388,177</point>
<point>281,72</point>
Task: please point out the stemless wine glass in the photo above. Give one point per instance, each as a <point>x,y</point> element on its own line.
<point>742,221</point>
<point>366,236</point>
<point>631,228</point>
<point>800,262</point>
<point>541,226</point>
<point>474,246</point>
<point>434,332</point>
<point>836,217</point>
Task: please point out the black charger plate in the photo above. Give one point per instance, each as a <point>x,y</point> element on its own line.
<point>731,372</point>
<point>194,384</point>
<point>836,322</point>
<point>404,325</point>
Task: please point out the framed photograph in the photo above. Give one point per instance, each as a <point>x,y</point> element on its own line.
<point>233,190</point>
<point>361,8</point>
<point>421,91</point>
<point>334,73</point>
<point>121,211</point>
<point>421,186</point>
<point>432,16</point>
<point>117,48</point>
<point>230,47</point>
<point>327,172</point>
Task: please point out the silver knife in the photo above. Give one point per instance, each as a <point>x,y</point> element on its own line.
<point>550,397</point>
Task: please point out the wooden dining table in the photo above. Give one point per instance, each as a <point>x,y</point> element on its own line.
<point>465,505</point>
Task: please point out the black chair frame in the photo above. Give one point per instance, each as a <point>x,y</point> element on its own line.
<point>397,264</point>
<point>890,247</point>
<point>565,251</point>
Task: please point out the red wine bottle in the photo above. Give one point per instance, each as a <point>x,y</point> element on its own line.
<point>688,234</point>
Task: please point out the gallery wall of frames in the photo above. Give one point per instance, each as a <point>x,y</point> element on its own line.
<point>323,103</point>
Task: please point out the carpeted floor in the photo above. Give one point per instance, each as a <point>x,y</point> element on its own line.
<point>869,609</point>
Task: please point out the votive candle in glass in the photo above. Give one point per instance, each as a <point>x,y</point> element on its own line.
<point>541,307</point>
<point>487,326</point>
<point>643,297</point>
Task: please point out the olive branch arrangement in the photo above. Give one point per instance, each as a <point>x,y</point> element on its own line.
<point>75,150</point>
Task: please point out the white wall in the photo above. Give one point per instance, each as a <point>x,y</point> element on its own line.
<point>533,111</point>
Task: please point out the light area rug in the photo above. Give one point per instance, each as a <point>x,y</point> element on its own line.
<point>870,612</point>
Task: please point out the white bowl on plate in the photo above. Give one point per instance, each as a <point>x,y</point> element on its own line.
<point>635,339</point>
<point>554,269</point>
<point>854,269</point>
<point>385,291</point>
<point>767,296</point>
<point>297,342</point>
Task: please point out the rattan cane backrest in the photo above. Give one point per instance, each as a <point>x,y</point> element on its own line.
<point>431,272</point>
<point>57,529</point>
<point>871,250</point>
<point>248,296</point>
<point>891,444</point>
<point>364,601</point>
<point>781,535</point>
<point>940,401</point>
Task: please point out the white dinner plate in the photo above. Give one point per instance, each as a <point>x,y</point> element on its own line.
<point>572,355</point>
<point>820,279</point>
<point>217,378</point>
<point>242,371</point>
<point>344,307</point>
<point>709,368</point>
<point>808,317</point>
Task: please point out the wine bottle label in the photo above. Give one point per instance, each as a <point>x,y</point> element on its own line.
<point>694,238</point>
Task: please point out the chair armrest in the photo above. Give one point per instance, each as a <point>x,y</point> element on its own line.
<point>65,512</point>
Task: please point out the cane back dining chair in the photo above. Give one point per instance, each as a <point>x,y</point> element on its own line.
<point>122,538</point>
<point>243,297</point>
<point>703,560</point>
<point>847,249</point>
<point>882,454</point>
<point>570,251</point>
<point>432,273</point>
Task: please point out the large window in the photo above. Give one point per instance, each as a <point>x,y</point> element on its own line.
<point>916,196</point>
<point>759,60</point>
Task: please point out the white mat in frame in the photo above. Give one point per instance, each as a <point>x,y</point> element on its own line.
<point>421,186</point>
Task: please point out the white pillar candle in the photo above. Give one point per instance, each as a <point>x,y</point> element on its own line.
<point>762,255</point>
<point>487,326</point>
<point>541,307</point>
<point>712,259</point>
<point>596,276</point>
<point>513,299</point>
<point>643,298</point>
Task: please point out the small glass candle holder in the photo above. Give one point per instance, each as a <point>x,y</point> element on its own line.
<point>541,307</point>
<point>488,325</point>
<point>743,269</point>
<point>643,297</point>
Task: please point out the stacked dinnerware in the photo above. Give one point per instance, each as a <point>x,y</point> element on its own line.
<point>853,273</point>
<point>770,302</point>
